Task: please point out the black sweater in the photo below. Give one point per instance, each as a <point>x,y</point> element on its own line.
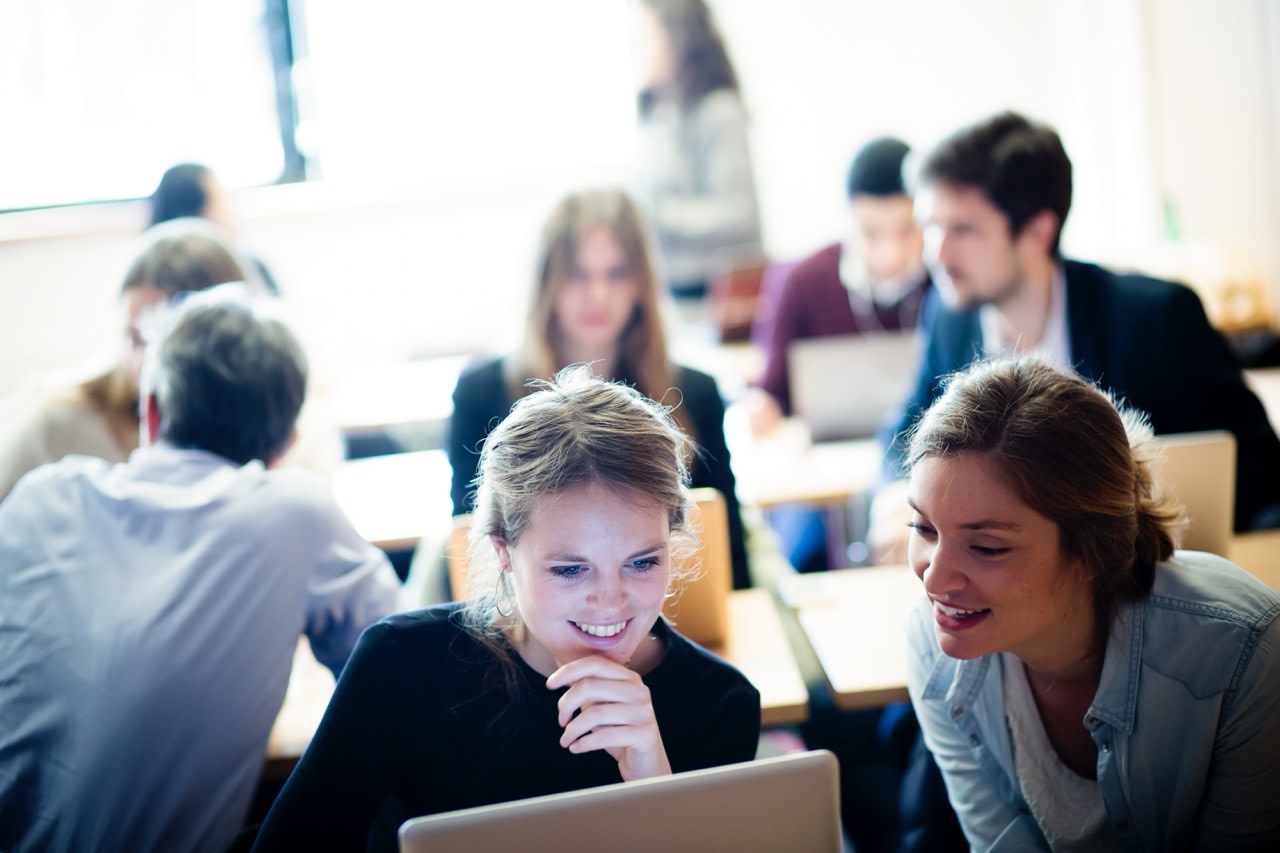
<point>417,726</point>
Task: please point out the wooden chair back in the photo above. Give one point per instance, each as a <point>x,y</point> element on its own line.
<point>1200,468</point>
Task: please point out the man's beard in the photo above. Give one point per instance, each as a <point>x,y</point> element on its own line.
<point>1004,293</point>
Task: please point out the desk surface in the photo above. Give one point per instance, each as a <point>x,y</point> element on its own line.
<point>757,646</point>
<point>853,619</point>
<point>786,467</point>
<point>385,395</point>
<point>395,500</point>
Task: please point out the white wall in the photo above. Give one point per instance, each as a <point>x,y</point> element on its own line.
<point>822,76</point>
<point>1153,99</point>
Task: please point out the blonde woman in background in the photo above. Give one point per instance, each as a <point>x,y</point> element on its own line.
<point>695,176</point>
<point>596,301</point>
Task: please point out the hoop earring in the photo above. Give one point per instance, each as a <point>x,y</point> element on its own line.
<point>504,591</point>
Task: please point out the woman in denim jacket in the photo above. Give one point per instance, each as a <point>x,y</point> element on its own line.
<point>1081,684</point>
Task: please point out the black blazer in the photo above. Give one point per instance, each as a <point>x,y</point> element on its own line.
<point>1150,343</point>
<point>480,402</point>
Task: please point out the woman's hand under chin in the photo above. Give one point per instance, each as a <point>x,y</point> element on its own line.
<point>608,706</point>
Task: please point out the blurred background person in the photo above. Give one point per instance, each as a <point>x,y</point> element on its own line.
<point>152,608</point>
<point>99,416</point>
<point>596,300</point>
<point>192,189</point>
<point>872,281</point>
<point>993,198</point>
<point>695,174</point>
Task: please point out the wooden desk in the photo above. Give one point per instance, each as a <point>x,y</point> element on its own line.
<point>310,686</point>
<point>854,620</point>
<point>757,646</point>
<point>786,467</point>
<point>1258,552</point>
<point>394,398</point>
<point>395,500</point>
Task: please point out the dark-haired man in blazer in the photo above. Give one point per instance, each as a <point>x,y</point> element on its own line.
<point>992,199</point>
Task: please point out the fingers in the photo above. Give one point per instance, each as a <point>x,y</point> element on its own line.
<point>608,707</point>
<point>602,691</point>
<point>597,666</point>
<point>633,712</point>
<point>628,733</point>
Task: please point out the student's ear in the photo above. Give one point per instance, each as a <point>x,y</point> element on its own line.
<point>503,550</point>
<point>149,420</point>
<point>1083,570</point>
<point>1041,230</point>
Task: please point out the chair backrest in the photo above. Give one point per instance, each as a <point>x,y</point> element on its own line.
<point>771,286</point>
<point>732,297</point>
<point>786,802</point>
<point>1200,468</point>
<point>701,609</point>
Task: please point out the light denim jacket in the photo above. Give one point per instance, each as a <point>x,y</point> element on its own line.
<point>1186,719</point>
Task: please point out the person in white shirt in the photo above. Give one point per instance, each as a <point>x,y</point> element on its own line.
<point>149,610</point>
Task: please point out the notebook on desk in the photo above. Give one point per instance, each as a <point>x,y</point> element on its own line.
<point>791,802</point>
<point>842,386</point>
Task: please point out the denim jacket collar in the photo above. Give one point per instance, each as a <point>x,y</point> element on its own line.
<point>1117,698</point>
<point>958,681</point>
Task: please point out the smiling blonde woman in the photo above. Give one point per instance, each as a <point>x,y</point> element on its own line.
<point>560,673</point>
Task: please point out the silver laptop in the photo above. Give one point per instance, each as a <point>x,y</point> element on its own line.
<point>789,802</point>
<point>842,386</point>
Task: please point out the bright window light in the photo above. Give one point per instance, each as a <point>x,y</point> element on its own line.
<point>99,97</point>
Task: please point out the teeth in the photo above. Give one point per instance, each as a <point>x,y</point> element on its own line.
<point>955,613</point>
<point>600,630</point>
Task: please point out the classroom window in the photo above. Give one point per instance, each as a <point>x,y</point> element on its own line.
<point>399,91</point>
<point>99,97</point>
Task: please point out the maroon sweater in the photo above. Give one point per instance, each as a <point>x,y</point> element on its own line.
<point>813,303</point>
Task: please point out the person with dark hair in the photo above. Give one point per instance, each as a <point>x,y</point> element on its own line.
<point>1082,685</point>
<point>872,281</point>
<point>696,178</point>
<point>192,189</point>
<point>152,608</point>
<point>232,385</point>
<point>99,416</point>
<point>596,299</point>
<point>993,198</point>
<point>558,672</point>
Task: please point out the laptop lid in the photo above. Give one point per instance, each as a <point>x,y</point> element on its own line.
<point>789,802</point>
<point>842,386</point>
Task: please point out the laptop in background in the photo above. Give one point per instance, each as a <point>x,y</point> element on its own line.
<point>789,802</point>
<point>842,386</point>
